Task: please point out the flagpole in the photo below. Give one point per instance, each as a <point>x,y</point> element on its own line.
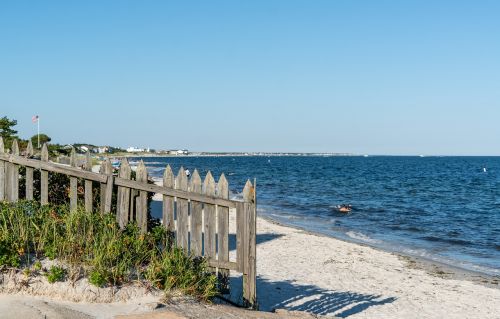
<point>38,131</point>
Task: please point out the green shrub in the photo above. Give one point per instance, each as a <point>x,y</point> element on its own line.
<point>27,272</point>
<point>98,278</point>
<point>58,191</point>
<point>109,255</point>
<point>174,270</point>
<point>8,256</point>
<point>55,273</point>
<point>37,266</point>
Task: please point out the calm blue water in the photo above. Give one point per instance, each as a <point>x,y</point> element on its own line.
<point>442,208</point>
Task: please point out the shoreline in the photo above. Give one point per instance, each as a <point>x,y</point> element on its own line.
<point>301,270</point>
<point>471,257</point>
<point>422,262</point>
<point>222,154</point>
<point>433,267</point>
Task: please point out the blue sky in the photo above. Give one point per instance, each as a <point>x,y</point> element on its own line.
<point>376,77</point>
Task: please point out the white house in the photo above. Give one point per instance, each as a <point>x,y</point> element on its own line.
<point>133,149</point>
<point>101,150</point>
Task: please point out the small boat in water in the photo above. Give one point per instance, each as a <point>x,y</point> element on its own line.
<point>344,208</point>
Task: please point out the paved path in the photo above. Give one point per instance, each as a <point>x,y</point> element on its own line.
<point>32,308</point>
<point>29,307</point>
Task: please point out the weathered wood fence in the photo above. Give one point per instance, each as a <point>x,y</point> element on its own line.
<point>197,213</point>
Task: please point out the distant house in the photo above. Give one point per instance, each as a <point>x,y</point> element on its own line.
<point>132,149</point>
<point>84,148</point>
<point>101,149</point>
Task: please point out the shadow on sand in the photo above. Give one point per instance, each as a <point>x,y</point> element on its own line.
<point>292,296</point>
<point>288,295</point>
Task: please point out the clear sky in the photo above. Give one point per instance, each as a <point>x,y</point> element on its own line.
<point>375,77</point>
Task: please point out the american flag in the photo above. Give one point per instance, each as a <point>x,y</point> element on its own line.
<point>34,119</point>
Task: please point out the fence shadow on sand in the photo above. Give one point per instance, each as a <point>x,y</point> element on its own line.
<point>312,299</point>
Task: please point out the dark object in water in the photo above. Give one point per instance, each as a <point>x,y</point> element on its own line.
<point>344,208</point>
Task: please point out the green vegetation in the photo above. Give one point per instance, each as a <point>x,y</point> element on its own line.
<point>97,278</point>
<point>8,256</point>
<point>8,134</point>
<point>6,130</point>
<point>109,255</point>
<point>59,191</point>
<point>55,273</point>
<point>44,138</point>
<point>37,266</point>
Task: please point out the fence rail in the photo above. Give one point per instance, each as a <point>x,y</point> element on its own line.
<point>196,212</point>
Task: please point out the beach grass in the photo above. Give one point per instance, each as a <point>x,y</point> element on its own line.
<point>108,255</point>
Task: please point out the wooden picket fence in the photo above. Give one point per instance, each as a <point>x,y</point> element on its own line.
<point>197,213</point>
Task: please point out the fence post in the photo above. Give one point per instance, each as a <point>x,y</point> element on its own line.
<point>12,176</point>
<point>73,184</point>
<point>44,177</point>
<point>250,228</point>
<point>141,210</point>
<point>123,197</point>
<point>168,201</point>
<point>181,183</point>
<point>88,184</point>
<point>2,172</point>
<point>106,188</point>
<point>223,232</point>
<point>196,216</point>
<point>29,172</point>
<point>209,217</point>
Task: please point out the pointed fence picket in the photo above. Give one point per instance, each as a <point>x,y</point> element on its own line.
<point>123,197</point>
<point>44,177</point>
<point>88,184</point>
<point>142,200</point>
<point>196,216</point>
<point>12,176</point>
<point>223,232</point>
<point>181,183</point>
<point>106,186</point>
<point>29,173</point>
<point>168,201</point>
<point>73,183</point>
<point>209,218</point>
<point>2,171</point>
<point>194,210</point>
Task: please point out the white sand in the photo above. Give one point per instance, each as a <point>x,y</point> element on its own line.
<point>298,270</point>
<point>35,297</point>
<point>41,307</point>
<point>302,271</point>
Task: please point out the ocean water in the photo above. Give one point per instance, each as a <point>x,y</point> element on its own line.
<point>442,208</point>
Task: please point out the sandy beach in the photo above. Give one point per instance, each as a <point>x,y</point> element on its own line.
<point>302,271</point>
<point>298,270</point>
